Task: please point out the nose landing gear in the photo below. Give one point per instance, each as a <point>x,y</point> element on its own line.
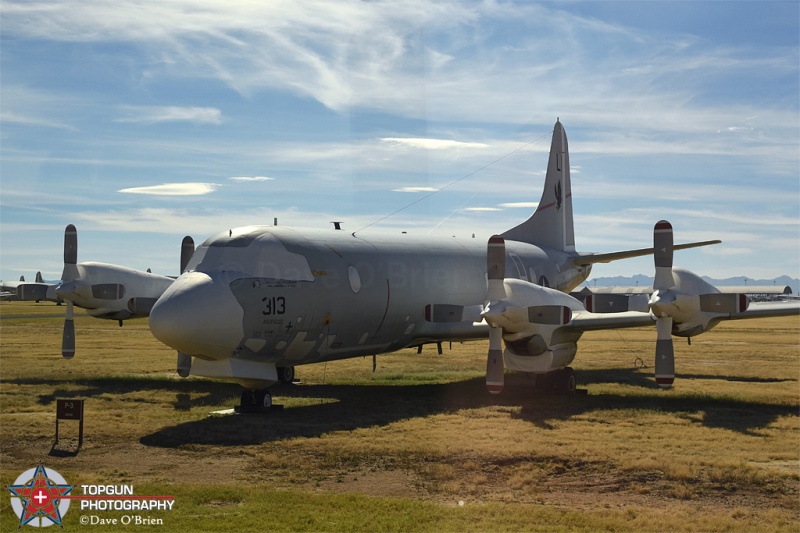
<point>255,401</point>
<point>260,400</point>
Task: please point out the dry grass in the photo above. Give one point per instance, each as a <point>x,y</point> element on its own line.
<point>720,451</point>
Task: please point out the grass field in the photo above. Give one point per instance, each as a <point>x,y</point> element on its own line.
<point>399,449</point>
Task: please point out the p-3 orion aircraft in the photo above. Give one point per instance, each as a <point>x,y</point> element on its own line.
<point>256,301</point>
<point>106,291</point>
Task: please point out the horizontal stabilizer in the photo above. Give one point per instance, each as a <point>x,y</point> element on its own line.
<point>590,259</point>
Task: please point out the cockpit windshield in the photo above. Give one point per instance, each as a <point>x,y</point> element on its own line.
<point>252,251</point>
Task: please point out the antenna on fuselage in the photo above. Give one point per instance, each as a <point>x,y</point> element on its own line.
<point>336,224</point>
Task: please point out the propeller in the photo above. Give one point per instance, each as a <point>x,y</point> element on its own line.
<point>69,275</point>
<point>495,291</point>
<point>661,299</point>
<point>503,312</point>
<point>681,298</point>
<point>184,363</point>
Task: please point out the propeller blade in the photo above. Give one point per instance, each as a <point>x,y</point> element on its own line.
<point>496,268</point>
<point>187,251</point>
<point>495,368</point>
<point>184,365</point>
<point>68,340</point>
<point>70,254</point>
<point>723,303</point>
<point>662,252</point>
<point>665,353</point>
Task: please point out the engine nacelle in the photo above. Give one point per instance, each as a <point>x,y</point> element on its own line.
<point>536,328</point>
<point>695,305</point>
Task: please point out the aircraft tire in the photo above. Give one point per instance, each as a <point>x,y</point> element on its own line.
<point>286,374</point>
<point>263,400</point>
<point>569,384</point>
<point>255,401</point>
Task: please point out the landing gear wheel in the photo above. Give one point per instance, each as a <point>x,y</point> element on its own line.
<point>263,400</point>
<point>255,401</point>
<point>569,384</point>
<point>286,374</point>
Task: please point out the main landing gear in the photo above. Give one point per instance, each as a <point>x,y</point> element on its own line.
<point>286,374</point>
<point>559,382</point>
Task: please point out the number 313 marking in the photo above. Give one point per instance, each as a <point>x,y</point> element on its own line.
<point>274,305</point>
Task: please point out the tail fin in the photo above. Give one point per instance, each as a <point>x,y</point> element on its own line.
<point>551,224</point>
<point>39,278</point>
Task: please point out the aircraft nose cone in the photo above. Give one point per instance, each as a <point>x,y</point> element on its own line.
<point>198,315</point>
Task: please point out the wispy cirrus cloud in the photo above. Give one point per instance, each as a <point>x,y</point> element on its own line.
<point>415,189</point>
<point>519,204</point>
<point>432,144</point>
<point>250,179</point>
<point>156,114</point>
<point>173,189</point>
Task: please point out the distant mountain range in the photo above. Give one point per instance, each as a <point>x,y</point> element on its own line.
<point>645,281</point>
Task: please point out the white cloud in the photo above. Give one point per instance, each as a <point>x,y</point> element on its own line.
<point>520,204</point>
<point>432,144</point>
<point>155,114</point>
<point>415,189</point>
<point>247,179</point>
<point>28,120</point>
<point>173,189</point>
<point>482,209</point>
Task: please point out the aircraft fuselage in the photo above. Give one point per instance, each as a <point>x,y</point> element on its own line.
<point>288,297</point>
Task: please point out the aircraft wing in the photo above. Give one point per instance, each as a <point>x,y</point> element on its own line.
<point>590,259</point>
<point>767,309</point>
<point>586,321</point>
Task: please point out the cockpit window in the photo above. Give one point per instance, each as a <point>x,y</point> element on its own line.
<point>252,252</point>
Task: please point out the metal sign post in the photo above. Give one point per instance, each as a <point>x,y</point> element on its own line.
<point>70,409</point>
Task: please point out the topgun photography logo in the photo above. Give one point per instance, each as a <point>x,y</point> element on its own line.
<point>37,497</point>
<point>41,498</point>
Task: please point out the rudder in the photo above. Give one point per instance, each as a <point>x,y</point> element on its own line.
<point>551,225</point>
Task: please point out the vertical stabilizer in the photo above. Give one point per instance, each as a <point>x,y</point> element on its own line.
<point>551,224</point>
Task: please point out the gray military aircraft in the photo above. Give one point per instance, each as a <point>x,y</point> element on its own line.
<point>106,291</point>
<point>256,301</point>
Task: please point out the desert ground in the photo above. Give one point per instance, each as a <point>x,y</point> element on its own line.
<point>418,444</point>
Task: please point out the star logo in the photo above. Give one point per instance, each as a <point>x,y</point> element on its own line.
<point>38,497</point>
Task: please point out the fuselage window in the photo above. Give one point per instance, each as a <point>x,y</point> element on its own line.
<point>355,279</point>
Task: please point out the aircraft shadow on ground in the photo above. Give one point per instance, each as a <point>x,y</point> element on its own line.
<point>350,407</point>
<point>189,393</point>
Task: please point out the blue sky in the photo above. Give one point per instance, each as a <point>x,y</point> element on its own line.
<point>142,122</point>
